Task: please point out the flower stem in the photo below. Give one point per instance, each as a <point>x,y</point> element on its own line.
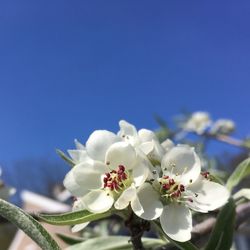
<point>136,227</point>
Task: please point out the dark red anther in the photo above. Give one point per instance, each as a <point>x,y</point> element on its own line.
<point>108,175</point>
<point>171,182</point>
<point>165,177</point>
<point>178,193</point>
<point>190,200</point>
<point>173,195</point>
<point>121,167</point>
<point>205,174</point>
<point>105,179</point>
<point>124,176</point>
<point>166,186</point>
<point>182,188</point>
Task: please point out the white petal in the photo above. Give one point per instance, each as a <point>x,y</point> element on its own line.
<point>98,201</point>
<point>79,227</point>
<point>79,146</point>
<point>146,135</point>
<point>90,174</point>
<point>167,145</point>
<point>127,195</point>
<point>140,172</point>
<point>121,153</point>
<point>98,143</point>
<point>158,152</point>
<point>182,161</point>
<point>71,185</point>
<point>176,222</point>
<point>127,128</point>
<point>211,195</point>
<point>150,202</point>
<point>147,147</point>
<point>137,207</point>
<point>78,155</point>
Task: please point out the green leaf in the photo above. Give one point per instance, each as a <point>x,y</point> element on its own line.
<point>243,193</point>
<point>65,157</point>
<point>242,171</point>
<point>222,234</point>
<point>115,243</point>
<point>68,239</point>
<point>28,224</point>
<point>73,218</point>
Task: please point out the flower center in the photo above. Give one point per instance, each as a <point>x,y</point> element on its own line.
<point>116,179</point>
<point>170,188</point>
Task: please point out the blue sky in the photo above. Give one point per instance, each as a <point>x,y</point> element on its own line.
<point>70,67</point>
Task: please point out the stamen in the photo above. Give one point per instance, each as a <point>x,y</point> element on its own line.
<point>115,180</point>
<point>205,174</point>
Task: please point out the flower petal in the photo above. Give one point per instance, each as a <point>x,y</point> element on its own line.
<point>137,207</point>
<point>140,172</point>
<point>128,132</point>
<point>127,128</point>
<point>90,174</point>
<point>71,185</point>
<point>98,201</point>
<point>211,195</point>
<point>183,162</point>
<point>150,202</point>
<point>147,147</point>
<point>79,227</point>
<point>127,195</point>
<point>78,155</point>
<point>176,222</point>
<point>167,145</point>
<point>79,145</point>
<point>121,153</point>
<point>146,135</point>
<point>98,143</point>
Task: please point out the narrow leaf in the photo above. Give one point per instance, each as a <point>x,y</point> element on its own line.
<point>115,243</point>
<point>68,239</point>
<point>242,171</point>
<point>28,224</point>
<point>222,234</point>
<point>65,157</point>
<point>73,218</point>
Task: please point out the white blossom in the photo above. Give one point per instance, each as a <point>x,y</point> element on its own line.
<point>144,141</point>
<point>222,126</point>
<point>107,172</point>
<point>181,187</point>
<point>198,122</point>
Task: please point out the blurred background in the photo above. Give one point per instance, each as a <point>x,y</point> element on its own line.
<point>68,68</point>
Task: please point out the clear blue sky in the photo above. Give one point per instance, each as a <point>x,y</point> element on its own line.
<point>70,67</point>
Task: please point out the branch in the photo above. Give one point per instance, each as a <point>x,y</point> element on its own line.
<point>227,139</point>
<point>137,227</point>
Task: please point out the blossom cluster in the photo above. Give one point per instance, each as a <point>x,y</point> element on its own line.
<point>200,122</point>
<point>132,169</point>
